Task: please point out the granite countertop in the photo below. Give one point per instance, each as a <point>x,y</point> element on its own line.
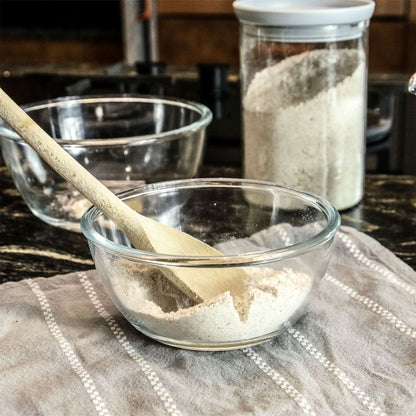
<point>31,248</point>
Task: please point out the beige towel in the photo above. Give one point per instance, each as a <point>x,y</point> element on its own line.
<point>66,350</point>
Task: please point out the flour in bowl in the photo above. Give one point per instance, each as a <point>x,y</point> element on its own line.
<point>270,298</point>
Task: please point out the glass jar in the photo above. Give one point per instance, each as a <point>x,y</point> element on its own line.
<point>304,90</point>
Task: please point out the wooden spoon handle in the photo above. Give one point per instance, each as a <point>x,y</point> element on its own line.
<point>66,166</point>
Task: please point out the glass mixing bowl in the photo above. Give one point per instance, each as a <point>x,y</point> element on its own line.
<point>120,139</point>
<point>280,239</point>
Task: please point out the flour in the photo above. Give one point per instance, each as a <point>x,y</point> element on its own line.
<point>304,124</point>
<point>270,298</point>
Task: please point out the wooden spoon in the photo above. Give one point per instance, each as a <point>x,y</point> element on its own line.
<point>144,233</point>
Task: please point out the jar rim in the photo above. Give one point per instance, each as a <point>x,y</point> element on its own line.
<point>305,34</point>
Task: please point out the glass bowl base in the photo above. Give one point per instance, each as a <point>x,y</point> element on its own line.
<point>211,346</point>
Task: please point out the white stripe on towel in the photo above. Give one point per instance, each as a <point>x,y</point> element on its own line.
<point>280,381</point>
<point>374,306</point>
<point>337,372</point>
<point>68,351</point>
<point>154,380</point>
<point>360,256</point>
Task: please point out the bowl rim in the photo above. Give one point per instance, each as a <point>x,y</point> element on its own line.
<point>262,257</point>
<point>204,119</point>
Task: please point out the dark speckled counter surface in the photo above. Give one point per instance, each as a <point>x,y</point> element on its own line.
<point>31,248</point>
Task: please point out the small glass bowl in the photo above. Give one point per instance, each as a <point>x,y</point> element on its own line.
<point>120,139</point>
<point>279,238</point>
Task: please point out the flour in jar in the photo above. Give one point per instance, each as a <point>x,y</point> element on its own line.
<point>304,124</point>
<point>270,298</point>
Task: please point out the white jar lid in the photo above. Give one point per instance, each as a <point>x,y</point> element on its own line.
<point>303,12</point>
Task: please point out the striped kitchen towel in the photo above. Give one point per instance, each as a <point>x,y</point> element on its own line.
<point>66,350</point>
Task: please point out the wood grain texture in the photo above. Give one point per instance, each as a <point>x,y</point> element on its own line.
<point>27,50</point>
<point>199,31</point>
<point>412,10</point>
<point>387,46</point>
<point>391,8</point>
<point>383,7</point>
<point>188,41</point>
<point>195,6</point>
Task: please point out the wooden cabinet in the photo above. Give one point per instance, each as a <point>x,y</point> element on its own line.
<point>200,31</point>
<point>193,31</point>
<point>391,8</point>
<point>383,7</point>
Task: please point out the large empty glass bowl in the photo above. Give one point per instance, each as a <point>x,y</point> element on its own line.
<point>277,238</point>
<point>120,139</point>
